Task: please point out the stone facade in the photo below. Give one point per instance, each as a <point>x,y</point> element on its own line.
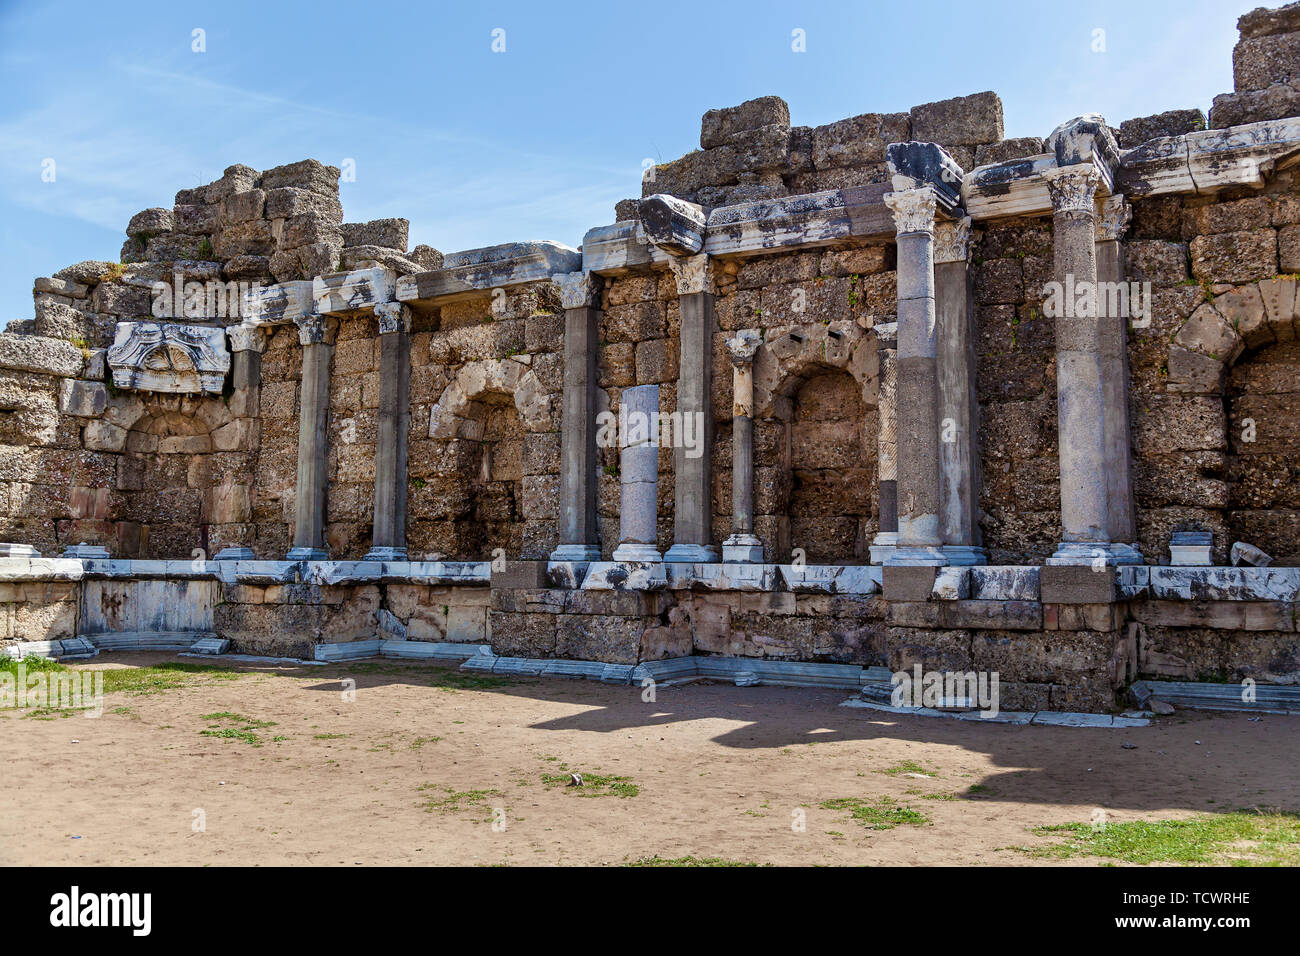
<point>371,425</point>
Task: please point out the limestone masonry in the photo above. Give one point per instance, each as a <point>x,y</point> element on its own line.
<point>913,393</point>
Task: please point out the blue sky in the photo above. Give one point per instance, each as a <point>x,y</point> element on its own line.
<point>538,142</point>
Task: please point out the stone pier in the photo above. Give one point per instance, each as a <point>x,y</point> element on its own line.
<point>886,539</point>
<point>1113,217</point>
<point>692,489</point>
<point>579,538</point>
<point>958,418</point>
<point>742,547</point>
<point>638,513</point>
<point>316,335</point>
<point>389,538</point>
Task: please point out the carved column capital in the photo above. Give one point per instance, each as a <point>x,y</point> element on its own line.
<point>692,274</point>
<point>742,347</point>
<point>393,317</point>
<point>1073,188</point>
<point>952,241</point>
<point>246,338</point>
<point>913,209</point>
<point>314,329</point>
<point>578,290</point>
<point>1113,216</point>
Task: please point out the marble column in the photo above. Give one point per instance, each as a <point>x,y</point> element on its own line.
<point>316,335</point>
<point>246,345</point>
<point>919,540</point>
<point>692,488</point>
<point>1080,400</point>
<point>742,547</point>
<point>1113,216</point>
<point>886,539</point>
<point>579,466</point>
<point>638,510</point>
<point>388,541</point>
<point>958,410</point>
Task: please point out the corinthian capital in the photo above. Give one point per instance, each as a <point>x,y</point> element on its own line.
<point>1113,217</point>
<point>314,329</point>
<point>952,241</point>
<point>578,290</point>
<point>742,346</point>
<point>393,317</point>
<point>913,209</point>
<point>246,338</point>
<point>1073,188</point>
<point>692,274</point>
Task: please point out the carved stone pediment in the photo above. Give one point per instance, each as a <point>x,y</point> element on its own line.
<point>169,357</point>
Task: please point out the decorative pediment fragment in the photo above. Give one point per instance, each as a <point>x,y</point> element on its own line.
<point>169,357</point>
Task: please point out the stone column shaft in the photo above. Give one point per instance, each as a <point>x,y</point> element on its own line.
<point>918,422</point>
<point>316,336</point>
<point>638,514</point>
<point>742,546</point>
<point>579,465</point>
<point>692,488</point>
<point>958,418</point>
<point>246,345</point>
<point>388,542</point>
<point>1112,220</point>
<point>1080,393</point>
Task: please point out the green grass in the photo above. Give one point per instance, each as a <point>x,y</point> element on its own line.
<point>238,727</point>
<point>689,861</point>
<point>908,766</point>
<point>1241,838</point>
<point>444,678</point>
<point>455,799</point>
<point>880,813</point>
<point>593,784</point>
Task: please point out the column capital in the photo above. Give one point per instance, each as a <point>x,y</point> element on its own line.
<point>742,347</point>
<point>393,317</point>
<point>578,290</point>
<point>952,240</point>
<point>1113,216</point>
<point>246,338</point>
<point>314,329</point>
<point>1073,188</point>
<point>692,273</point>
<point>913,209</point>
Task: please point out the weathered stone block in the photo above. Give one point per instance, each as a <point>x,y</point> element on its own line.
<point>1078,584</point>
<point>900,583</point>
<point>1258,62</point>
<point>718,127</point>
<point>1235,256</point>
<point>962,120</point>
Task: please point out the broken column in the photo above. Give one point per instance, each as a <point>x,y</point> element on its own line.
<point>886,539</point>
<point>1081,405</point>
<point>638,510</point>
<point>1113,216</point>
<point>579,538</point>
<point>742,547</point>
<point>246,345</point>
<point>919,542</point>
<point>316,334</point>
<point>388,542</point>
<point>692,490</point>
<point>958,457</point>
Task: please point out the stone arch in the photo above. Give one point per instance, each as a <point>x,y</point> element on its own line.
<point>487,416</point>
<point>815,391</point>
<point>171,497</point>
<point>1244,346</point>
<point>453,415</point>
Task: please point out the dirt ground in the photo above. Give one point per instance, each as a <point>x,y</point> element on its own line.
<point>418,767</point>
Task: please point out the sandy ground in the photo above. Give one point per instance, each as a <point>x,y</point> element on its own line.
<point>722,771</point>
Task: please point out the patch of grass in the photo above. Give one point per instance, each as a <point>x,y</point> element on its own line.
<point>689,861</point>
<point>908,766</point>
<point>239,727</point>
<point>156,678</point>
<point>978,789</point>
<point>1260,837</point>
<point>455,800</point>
<point>328,736</point>
<point>419,742</point>
<point>593,784</point>
<point>880,813</point>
